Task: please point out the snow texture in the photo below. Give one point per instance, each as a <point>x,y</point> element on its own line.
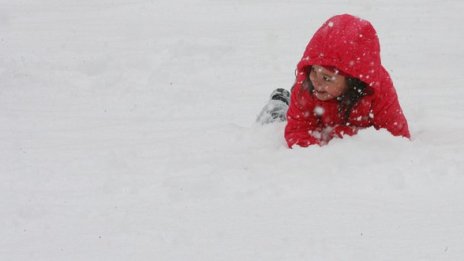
<point>127,133</point>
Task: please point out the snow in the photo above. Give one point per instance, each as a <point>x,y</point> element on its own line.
<point>127,133</point>
<point>319,110</point>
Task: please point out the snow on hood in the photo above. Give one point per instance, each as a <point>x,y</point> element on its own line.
<point>348,43</point>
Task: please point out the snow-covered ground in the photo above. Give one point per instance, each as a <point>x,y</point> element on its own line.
<point>127,133</point>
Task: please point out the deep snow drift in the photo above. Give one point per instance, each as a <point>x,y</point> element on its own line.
<point>127,133</point>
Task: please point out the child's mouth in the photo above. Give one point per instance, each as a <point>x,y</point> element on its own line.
<point>321,95</point>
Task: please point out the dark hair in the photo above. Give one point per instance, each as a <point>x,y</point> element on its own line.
<point>356,90</point>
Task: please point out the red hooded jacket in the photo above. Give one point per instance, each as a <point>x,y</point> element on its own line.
<point>351,45</point>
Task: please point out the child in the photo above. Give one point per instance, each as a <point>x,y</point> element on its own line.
<point>341,87</point>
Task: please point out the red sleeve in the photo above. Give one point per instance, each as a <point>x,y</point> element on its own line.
<point>300,121</point>
<point>387,111</point>
<point>341,130</point>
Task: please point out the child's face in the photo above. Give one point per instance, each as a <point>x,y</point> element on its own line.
<point>327,84</point>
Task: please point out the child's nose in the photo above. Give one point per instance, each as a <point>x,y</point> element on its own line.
<point>315,79</point>
<point>318,85</point>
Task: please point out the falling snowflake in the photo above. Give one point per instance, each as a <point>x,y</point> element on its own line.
<point>319,111</point>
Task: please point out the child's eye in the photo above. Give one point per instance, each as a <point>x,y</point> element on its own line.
<point>327,78</point>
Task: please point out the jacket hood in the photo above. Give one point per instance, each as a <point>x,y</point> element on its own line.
<point>348,43</point>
